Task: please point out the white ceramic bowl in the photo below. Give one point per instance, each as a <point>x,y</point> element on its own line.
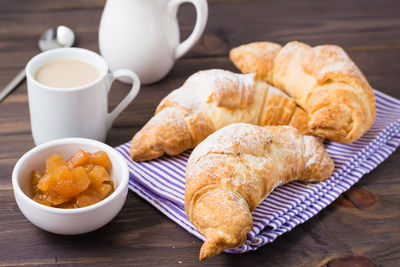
<point>69,221</point>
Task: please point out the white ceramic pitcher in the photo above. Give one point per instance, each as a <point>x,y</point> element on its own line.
<point>143,35</point>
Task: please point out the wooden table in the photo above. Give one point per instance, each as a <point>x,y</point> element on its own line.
<point>362,226</point>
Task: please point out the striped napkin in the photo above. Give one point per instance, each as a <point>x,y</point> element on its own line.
<point>162,181</point>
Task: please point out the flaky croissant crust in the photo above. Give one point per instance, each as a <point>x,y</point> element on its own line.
<point>208,101</point>
<point>235,168</point>
<point>323,80</point>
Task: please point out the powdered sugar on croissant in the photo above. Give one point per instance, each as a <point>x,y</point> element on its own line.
<point>208,101</point>
<point>323,80</point>
<point>235,168</point>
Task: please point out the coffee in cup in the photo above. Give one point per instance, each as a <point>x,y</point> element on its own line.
<point>66,73</point>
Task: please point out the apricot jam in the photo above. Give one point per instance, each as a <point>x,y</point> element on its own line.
<point>80,181</point>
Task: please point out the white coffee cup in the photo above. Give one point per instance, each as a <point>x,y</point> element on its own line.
<point>74,112</point>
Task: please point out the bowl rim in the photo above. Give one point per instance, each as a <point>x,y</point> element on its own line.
<point>65,141</point>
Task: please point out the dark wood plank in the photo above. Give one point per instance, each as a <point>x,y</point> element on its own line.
<point>362,227</point>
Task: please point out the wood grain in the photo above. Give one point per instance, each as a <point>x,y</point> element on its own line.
<point>361,228</point>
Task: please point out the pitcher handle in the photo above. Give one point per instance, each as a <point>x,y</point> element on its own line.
<point>201,21</point>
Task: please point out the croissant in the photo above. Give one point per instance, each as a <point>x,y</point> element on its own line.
<point>323,80</point>
<point>208,101</point>
<point>235,168</point>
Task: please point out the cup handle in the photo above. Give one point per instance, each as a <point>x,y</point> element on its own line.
<point>128,98</point>
<point>201,20</point>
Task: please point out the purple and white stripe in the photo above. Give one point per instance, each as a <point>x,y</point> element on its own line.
<point>162,181</point>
